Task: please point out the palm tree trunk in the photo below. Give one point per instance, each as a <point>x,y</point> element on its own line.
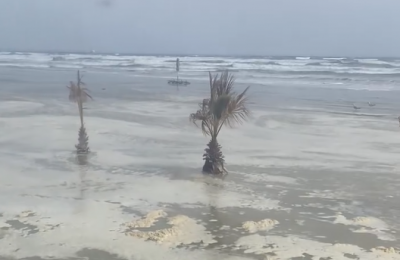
<point>80,107</point>
<point>83,140</point>
<point>213,157</point>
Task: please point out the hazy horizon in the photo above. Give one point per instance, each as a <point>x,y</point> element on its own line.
<point>358,28</point>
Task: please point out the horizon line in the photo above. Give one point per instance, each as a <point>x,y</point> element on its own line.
<point>190,55</point>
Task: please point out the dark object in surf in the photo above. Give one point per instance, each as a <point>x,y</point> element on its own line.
<point>80,95</point>
<point>178,82</point>
<point>224,107</point>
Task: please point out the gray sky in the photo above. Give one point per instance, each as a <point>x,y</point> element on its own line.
<point>227,27</point>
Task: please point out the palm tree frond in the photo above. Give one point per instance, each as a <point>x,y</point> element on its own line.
<point>211,80</point>
<point>195,117</point>
<point>220,106</point>
<point>86,93</point>
<point>224,107</point>
<point>224,83</point>
<point>77,93</point>
<point>237,110</point>
<point>205,127</point>
<point>213,87</point>
<point>199,116</point>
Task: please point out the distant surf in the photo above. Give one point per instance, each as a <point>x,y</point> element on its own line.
<point>251,69</point>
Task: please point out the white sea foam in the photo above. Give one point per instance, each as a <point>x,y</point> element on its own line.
<point>368,225</point>
<point>183,231</point>
<point>262,225</point>
<point>291,247</point>
<point>95,225</point>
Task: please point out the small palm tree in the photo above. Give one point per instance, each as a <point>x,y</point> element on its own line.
<point>224,107</point>
<point>80,95</point>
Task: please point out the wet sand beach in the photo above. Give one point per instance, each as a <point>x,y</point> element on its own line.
<point>309,177</point>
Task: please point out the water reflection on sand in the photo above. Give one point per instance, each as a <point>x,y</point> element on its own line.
<point>325,182</point>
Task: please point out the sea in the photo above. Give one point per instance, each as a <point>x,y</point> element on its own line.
<point>331,72</point>
<point>313,172</point>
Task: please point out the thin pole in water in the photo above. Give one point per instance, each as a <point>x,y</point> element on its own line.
<point>177,69</point>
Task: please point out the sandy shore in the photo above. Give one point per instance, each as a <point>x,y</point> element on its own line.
<point>307,180</point>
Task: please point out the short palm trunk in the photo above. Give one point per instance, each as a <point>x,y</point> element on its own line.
<point>214,159</point>
<point>83,142</point>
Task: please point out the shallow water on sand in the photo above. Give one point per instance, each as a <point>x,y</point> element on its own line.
<point>323,176</point>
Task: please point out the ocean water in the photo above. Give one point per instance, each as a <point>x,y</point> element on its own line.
<point>353,73</point>
<point>310,176</point>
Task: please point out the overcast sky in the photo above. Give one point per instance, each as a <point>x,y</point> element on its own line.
<point>226,27</point>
